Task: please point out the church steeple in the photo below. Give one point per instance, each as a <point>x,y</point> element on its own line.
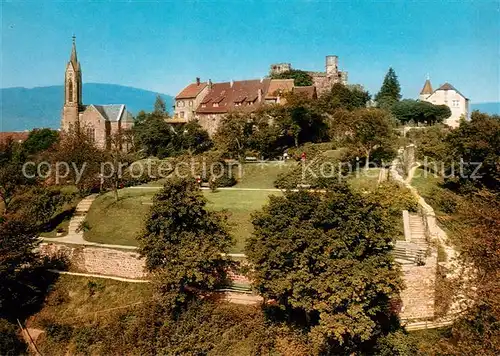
<point>72,89</point>
<point>73,58</point>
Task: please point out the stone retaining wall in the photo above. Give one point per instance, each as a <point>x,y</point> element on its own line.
<point>108,262</point>
<point>97,260</point>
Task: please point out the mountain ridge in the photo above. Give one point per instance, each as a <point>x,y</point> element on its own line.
<point>27,108</point>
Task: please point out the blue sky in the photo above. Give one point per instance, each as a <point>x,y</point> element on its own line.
<point>162,46</point>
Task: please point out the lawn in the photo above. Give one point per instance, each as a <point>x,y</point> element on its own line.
<point>121,222</point>
<point>64,225</point>
<point>74,299</point>
<point>261,175</point>
<point>425,182</point>
<point>364,180</point>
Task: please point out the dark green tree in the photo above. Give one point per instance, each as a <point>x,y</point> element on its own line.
<point>343,97</point>
<point>423,112</point>
<point>160,107</point>
<point>40,140</point>
<point>300,77</point>
<point>153,135</point>
<point>325,260</point>
<point>371,129</point>
<point>390,92</point>
<point>475,144</point>
<point>193,138</point>
<point>183,243</point>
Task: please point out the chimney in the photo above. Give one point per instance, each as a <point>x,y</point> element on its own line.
<point>259,93</point>
<point>231,83</point>
<point>197,80</point>
<point>210,83</point>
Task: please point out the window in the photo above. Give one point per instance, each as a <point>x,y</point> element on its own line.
<point>70,91</point>
<point>455,103</point>
<point>215,105</point>
<point>190,103</point>
<point>181,114</point>
<point>91,133</point>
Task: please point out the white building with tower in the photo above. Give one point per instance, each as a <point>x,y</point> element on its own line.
<point>447,95</point>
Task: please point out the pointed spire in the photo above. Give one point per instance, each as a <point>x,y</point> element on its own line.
<point>427,89</point>
<point>73,59</point>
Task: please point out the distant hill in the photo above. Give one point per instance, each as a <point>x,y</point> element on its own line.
<point>489,108</point>
<point>25,109</point>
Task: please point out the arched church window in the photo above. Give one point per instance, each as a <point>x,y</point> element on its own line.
<point>70,91</point>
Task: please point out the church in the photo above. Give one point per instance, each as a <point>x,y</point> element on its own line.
<point>101,122</point>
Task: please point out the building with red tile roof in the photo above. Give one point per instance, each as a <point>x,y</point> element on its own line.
<point>16,136</point>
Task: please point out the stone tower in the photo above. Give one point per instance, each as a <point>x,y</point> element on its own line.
<point>72,91</point>
<point>332,66</point>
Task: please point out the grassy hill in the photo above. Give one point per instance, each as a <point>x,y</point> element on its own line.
<point>25,109</point>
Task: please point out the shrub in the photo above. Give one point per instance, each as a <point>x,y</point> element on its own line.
<point>59,332</point>
<point>10,344</point>
<point>445,200</point>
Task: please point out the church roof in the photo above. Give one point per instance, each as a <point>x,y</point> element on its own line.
<point>427,89</point>
<point>113,112</point>
<point>73,59</point>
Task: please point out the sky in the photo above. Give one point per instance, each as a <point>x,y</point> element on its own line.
<point>164,45</point>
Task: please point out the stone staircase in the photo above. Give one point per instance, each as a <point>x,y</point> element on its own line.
<point>79,216</point>
<point>417,231</point>
<point>412,250</point>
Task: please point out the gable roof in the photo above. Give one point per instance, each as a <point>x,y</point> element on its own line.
<point>112,113</point>
<point>242,94</point>
<point>448,86</point>
<point>191,91</point>
<point>308,91</point>
<point>278,86</point>
<point>427,89</point>
<point>16,136</point>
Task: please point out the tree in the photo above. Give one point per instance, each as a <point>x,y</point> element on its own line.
<point>83,158</point>
<point>17,258</point>
<point>300,77</point>
<point>423,112</point>
<point>233,134</point>
<point>12,179</point>
<point>301,120</point>
<point>325,260</point>
<point>475,144</point>
<point>160,107</point>
<point>193,138</point>
<point>476,331</point>
<point>153,135</point>
<point>371,129</point>
<point>40,140</point>
<point>390,92</point>
<point>184,243</point>
<point>343,97</point>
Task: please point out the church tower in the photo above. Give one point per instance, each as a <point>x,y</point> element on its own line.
<point>72,91</point>
<point>426,90</point>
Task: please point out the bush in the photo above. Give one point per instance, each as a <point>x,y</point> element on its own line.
<point>59,332</point>
<point>445,200</point>
<point>10,344</point>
